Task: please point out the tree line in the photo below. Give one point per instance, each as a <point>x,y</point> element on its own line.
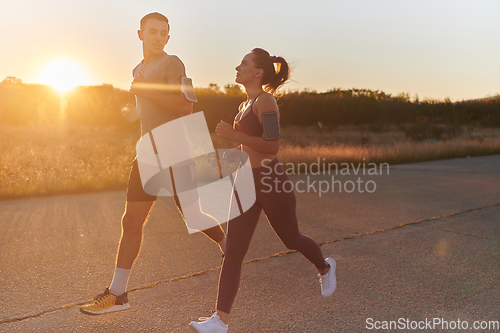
<point>100,106</point>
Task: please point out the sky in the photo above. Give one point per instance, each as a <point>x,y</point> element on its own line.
<point>431,48</point>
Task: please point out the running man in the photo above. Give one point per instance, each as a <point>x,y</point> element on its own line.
<point>155,107</point>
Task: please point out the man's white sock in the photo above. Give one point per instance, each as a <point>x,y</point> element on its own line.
<point>120,280</point>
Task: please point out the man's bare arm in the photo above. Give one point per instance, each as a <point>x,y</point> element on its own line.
<point>170,101</point>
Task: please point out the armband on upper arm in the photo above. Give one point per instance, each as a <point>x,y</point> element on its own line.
<point>270,125</point>
<point>187,89</point>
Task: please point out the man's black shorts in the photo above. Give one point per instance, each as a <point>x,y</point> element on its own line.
<point>136,193</point>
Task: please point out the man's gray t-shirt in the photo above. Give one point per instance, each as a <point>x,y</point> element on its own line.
<point>167,71</point>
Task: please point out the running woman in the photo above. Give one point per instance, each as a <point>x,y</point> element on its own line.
<point>156,108</point>
<point>261,80</point>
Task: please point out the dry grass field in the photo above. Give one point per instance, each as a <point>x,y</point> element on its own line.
<point>40,160</point>
<point>358,145</point>
<point>51,159</point>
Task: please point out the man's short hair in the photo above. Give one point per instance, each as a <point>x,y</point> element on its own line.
<point>156,16</point>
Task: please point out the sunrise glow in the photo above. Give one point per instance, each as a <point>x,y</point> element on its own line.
<point>63,75</point>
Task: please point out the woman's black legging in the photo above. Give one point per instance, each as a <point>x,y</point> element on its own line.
<point>279,206</point>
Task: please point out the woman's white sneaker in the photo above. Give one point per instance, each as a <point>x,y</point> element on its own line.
<point>329,280</point>
<point>210,325</point>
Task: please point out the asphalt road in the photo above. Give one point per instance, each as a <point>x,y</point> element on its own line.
<point>423,246</point>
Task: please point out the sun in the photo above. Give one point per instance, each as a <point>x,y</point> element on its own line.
<point>63,75</point>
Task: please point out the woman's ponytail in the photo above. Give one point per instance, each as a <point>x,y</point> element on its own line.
<point>273,78</point>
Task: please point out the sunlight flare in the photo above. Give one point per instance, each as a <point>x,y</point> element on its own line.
<point>63,75</point>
